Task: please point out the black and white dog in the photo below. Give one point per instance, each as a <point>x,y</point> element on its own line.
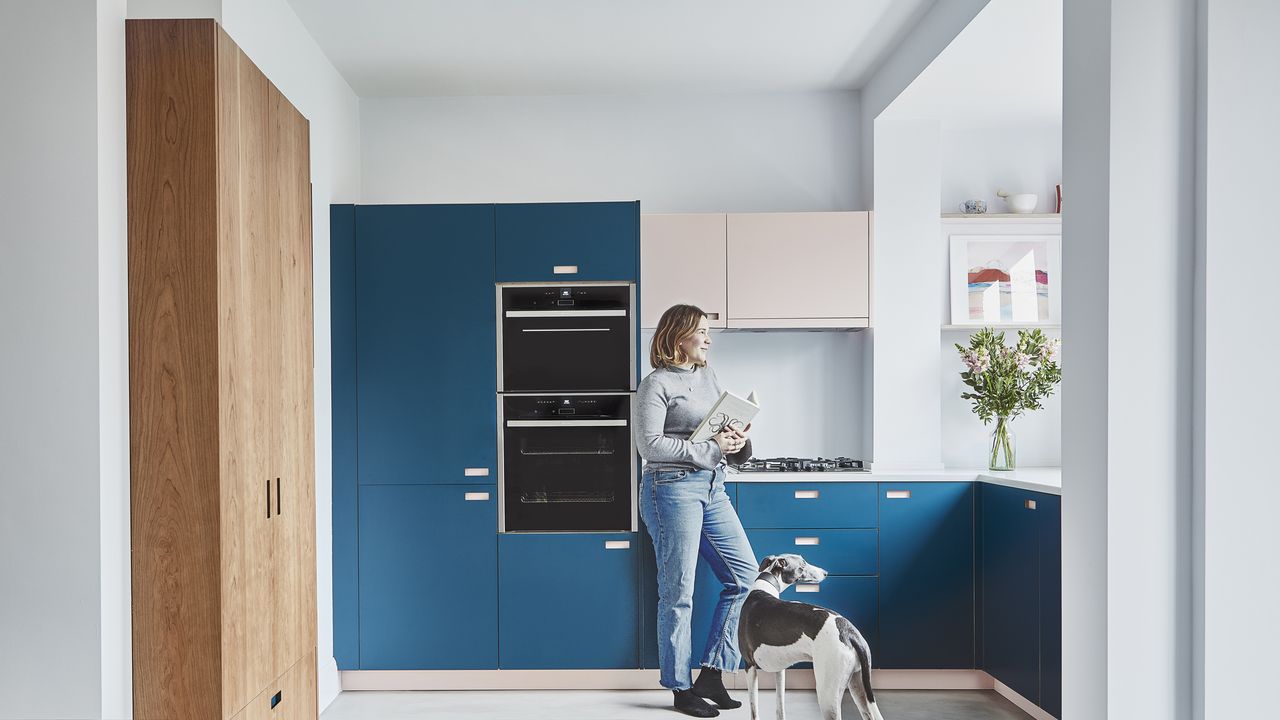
<point>775,634</point>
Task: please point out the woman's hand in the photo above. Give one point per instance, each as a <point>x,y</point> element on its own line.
<point>731,439</point>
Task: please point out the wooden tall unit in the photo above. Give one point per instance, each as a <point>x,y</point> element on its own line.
<point>220,382</point>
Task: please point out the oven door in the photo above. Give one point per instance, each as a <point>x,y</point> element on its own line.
<point>567,464</point>
<point>566,338</point>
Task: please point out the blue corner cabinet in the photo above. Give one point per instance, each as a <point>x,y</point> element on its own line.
<point>568,601</point>
<point>1021,624</point>
<point>428,577</point>
<point>425,343</point>
<point>926,575</point>
<point>568,242</point>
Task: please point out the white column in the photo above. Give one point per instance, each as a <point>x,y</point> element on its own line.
<point>1129,169</point>
<point>906,265</point>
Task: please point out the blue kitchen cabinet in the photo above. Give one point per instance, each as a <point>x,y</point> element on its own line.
<point>926,575</point>
<point>706,593</point>
<point>568,242</point>
<point>342,315</point>
<point>807,505</point>
<point>425,343</point>
<point>1049,510</point>
<point>568,600</point>
<point>838,551</point>
<point>428,577</point>
<point>854,597</point>
<point>1011,591</point>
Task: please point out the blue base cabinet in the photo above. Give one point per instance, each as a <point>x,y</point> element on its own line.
<point>568,242</point>
<point>926,576</point>
<point>1022,592</point>
<point>428,577</point>
<point>568,601</point>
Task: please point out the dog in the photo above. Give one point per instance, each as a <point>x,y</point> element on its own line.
<point>775,634</point>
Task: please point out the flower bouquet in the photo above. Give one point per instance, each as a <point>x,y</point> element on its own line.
<point>1007,381</point>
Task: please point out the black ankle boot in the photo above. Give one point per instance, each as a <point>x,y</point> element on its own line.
<point>690,704</point>
<point>710,686</point>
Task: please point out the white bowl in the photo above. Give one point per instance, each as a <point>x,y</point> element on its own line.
<point>1022,202</point>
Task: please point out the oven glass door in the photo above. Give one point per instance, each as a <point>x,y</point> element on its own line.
<point>588,346</point>
<point>566,473</point>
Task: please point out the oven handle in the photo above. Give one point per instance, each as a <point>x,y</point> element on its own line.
<point>566,423</point>
<point>566,313</point>
<point>564,329</point>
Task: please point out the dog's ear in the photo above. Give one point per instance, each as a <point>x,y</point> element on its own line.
<point>773,564</point>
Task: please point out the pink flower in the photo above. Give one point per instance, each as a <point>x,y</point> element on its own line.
<point>1049,353</point>
<point>1021,360</point>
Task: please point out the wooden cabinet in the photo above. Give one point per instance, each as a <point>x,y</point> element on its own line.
<point>799,270</point>
<point>220,358</point>
<point>683,261</point>
<point>759,270</point>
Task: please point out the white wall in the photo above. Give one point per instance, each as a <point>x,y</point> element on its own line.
<point>932,34</point>
<point>1236,628</point>
<point>978,161</point>
<point>50,611</point>
<point>906,267</point>
<point>113,365</point>
<point>1128,159</point>
<point>704,153</point>
<point>810,386</point>
<point>273,36</point>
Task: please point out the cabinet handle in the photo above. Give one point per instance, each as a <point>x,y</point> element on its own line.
<point>564,269</point>
<point>1031,504</point>
<point>807,541</point>
<point>475,496</point>
<point>807,587</point>
<point>713,316</point>
<point>806,494</point>
<point>475,472</point>
<point>277,496</point>
<point>617,544</point>
<point>275,699</point>
<point>898,494</point>
<point>268,499</point>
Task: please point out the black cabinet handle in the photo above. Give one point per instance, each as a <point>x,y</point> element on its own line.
<point>268,499</point>
<point>277,496</point>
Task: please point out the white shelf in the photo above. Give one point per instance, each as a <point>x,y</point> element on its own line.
<point>1005,326</point>
<point>980,217</point>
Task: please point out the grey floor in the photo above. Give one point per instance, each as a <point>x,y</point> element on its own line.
<point>651,705</point>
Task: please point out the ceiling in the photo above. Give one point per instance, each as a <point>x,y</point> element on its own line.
<point>571,47</point>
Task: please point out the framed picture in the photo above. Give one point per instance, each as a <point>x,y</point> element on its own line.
<point>1006,279</point>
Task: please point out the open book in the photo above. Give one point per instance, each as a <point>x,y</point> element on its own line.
<point>728,410</point>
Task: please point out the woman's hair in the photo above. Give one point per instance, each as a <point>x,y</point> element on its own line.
<point>676,325</point>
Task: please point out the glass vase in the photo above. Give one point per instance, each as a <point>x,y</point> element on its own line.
<point>1002,446</point>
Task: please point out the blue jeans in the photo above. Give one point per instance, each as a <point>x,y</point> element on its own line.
<point>688,514</point>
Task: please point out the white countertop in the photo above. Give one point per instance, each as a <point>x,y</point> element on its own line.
<point>1037,479</point>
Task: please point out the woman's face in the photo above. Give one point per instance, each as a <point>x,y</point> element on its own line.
<point>696,345</point>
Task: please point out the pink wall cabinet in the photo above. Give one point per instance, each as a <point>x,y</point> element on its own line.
<point>682,260</point>
<point>799,270</point>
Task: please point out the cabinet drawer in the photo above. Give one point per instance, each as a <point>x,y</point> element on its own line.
<point>292,696</point>
<point>807,505</point>
<point>839,552</point>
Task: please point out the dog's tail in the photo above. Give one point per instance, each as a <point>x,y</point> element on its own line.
<point>850,636</point>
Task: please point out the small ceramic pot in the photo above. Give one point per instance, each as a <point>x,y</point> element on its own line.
<point>973,207</point>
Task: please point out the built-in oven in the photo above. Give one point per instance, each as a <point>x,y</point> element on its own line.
<point>566,338</point>
<point>566,463</point>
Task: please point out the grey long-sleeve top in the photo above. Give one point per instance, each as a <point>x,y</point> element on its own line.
<point>670,403</point>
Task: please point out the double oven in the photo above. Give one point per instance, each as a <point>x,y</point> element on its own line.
<point>566,381</point>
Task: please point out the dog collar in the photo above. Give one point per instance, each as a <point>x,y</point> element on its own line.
<point>772,581</point>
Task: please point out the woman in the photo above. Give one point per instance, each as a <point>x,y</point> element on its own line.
<point>685,508</point>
